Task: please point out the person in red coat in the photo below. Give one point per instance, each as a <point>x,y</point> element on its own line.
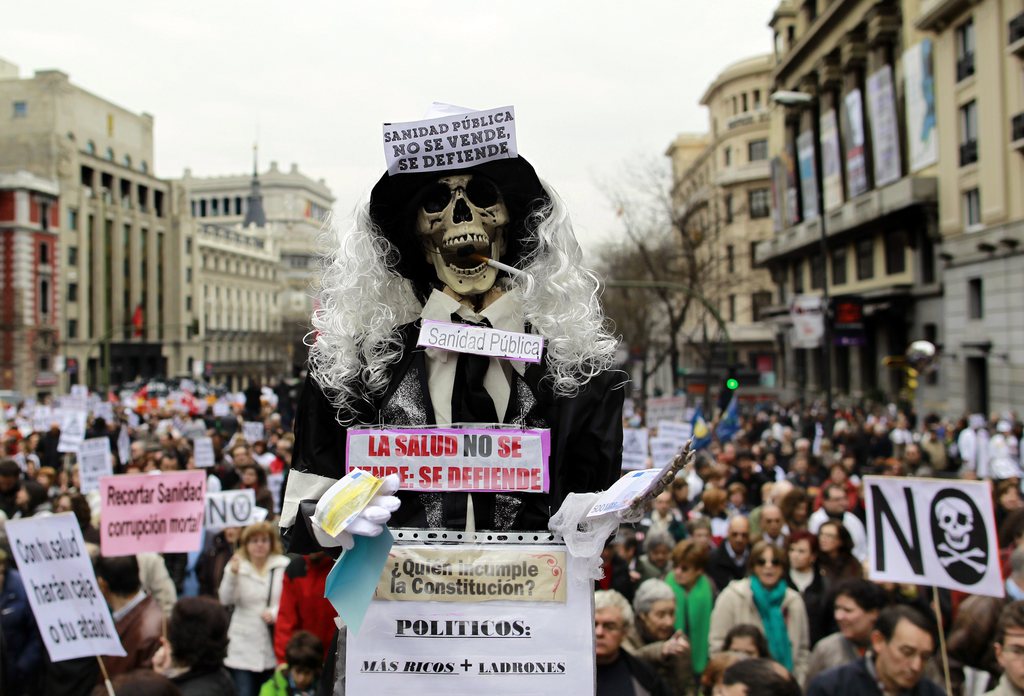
<point>303,606</point>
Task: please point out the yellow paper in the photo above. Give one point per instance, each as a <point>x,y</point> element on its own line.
<point>356,491</point>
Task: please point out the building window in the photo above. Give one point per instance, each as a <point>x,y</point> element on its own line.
<point>732,308</point>
<point>965,50</point>
<point>760,203</point>
<point>759,302</point>
<point>895,252</point>
<point>110,154</point>
<point>72,328</point>
<point>972,209</point>
<point>44,297</point>
<point>865,259</point>
<point>72,219</point>
<point>188,303</point>
<point>975,299</point>
<point>20,109</point>
<point>730,259</point>
<point>968,133</point>
<point>72,292</point>
<point>90,147</point>
<point>757,150</point>
<point>728,208</point>
<point>757,99</point>
<point>188,245</point>
<point>188,275</point>
<point>727,156</point>
<point>72,256</point>
<point>798,277</point>
<point>977,385</point>
<point>753,255</point>
<point>839,265</point>
<point>817,272</point>
<point>44,253</point>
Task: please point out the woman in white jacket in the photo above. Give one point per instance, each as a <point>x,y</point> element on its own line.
<point>252,585</point>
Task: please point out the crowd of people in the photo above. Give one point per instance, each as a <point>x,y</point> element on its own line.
<point>760,553</point>
<point>747,575</point>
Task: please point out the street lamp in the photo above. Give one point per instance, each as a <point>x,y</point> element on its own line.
<point>803,100</point>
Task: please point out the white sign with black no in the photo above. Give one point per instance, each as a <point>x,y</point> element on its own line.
<point>231,509</point>
<point>937,532</point>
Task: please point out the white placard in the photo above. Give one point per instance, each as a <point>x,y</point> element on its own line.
<point>221,409</point>
<point>480,340</point>
<point>124,446</point>
<point>42,419</point>
<point>72,431</point>
<point>678,433</point>
<point>104,410</point>
<point>230,509</point>
<point>253,431</point>
<point>94,462</point>
<point>663,450</point>
<point>455,141</point>
<point>133,419</point>
<point>275,482</point>
<point>70,612</point>
<point>520,646</point>
<point>202,452</point>
<point>668,408</point>
<point>624,491</point>
<point>938,532</point>
<point>80,391</point>
<point>634,448</point>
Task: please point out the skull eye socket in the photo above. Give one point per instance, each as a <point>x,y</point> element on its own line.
<point>436,198</point>
<point>481,192</point>
<point>961,519</point>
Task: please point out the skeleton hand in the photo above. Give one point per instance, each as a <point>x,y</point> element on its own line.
<point>684,458</point>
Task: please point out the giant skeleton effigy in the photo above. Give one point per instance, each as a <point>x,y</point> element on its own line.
<point>426,352</point>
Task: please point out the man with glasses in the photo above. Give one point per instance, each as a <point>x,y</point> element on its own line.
<point>1009,645</point>
<point>833,507</point>
<point>729,561</point>
<point>618,672</point>
<point>901,646</point>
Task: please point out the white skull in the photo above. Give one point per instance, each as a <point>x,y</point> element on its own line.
<point>460,215</point>
<point>956,519</point>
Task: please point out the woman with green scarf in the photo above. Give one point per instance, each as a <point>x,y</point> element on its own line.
<point>764,600</point>
<point>694,598</point>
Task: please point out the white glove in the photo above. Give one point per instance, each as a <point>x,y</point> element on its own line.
<point>369,522</point>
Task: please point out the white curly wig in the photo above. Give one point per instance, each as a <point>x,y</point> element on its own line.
<point>363,301</point>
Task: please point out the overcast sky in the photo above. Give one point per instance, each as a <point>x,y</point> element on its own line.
<point>595,84</point>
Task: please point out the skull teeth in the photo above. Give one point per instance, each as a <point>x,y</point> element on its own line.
<point>467,271</point>
<point>467,238</point>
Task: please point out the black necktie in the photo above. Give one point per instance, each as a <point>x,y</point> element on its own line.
<point>470,401</point>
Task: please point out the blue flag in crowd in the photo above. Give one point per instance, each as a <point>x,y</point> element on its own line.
<point>701,431</point>
<point>730,424</point>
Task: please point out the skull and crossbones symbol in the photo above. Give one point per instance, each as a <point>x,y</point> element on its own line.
<point>956,519</point>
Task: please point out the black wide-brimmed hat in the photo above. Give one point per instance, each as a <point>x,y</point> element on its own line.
<point>395,200</point>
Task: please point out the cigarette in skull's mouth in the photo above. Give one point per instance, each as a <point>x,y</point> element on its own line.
<point>470,252</point>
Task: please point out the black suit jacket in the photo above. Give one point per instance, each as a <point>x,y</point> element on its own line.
<point>721,568</point>
<point>586,445</point>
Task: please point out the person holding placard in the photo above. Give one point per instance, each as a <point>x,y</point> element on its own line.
<point>137,617</point>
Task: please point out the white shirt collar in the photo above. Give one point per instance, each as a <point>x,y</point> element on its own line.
<point>505,313</point>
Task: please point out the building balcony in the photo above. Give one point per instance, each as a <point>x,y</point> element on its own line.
<point>1017,132</point>
<point>936,15</point>
<point>1016,31</point>
<point>965,67</point>
<point>753,171</point>
<point>968,152</point>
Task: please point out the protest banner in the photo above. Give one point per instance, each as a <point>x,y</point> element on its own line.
<point>72,431</point>
<point>94,463</point>
<point>124,446</point>
<point>665,408</point>
<point>663,450</point>
<point>71,614</point>
<point>454,459</point>
<point>679,433</point>
<point>162,513</point>
<point>453,141</point>
<point>275,482</point>
<point>938,532</point>
<point>43,418</point>
<point>496,619</point>
<point>230,509</point>
<point>202,452</point>
<point>634,448</point>
<point>253,431</point>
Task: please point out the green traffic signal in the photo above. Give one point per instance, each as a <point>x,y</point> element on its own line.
<point>732,383</point>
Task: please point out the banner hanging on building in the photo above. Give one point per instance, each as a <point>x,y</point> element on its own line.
<point>808,174</point>
<point>853,137</point>
<point>938,532</point>
<point>471,619</point>
<point>831,164</point>
<point>919,89</point>
<point>885,134</point>
<point>805,312</point>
